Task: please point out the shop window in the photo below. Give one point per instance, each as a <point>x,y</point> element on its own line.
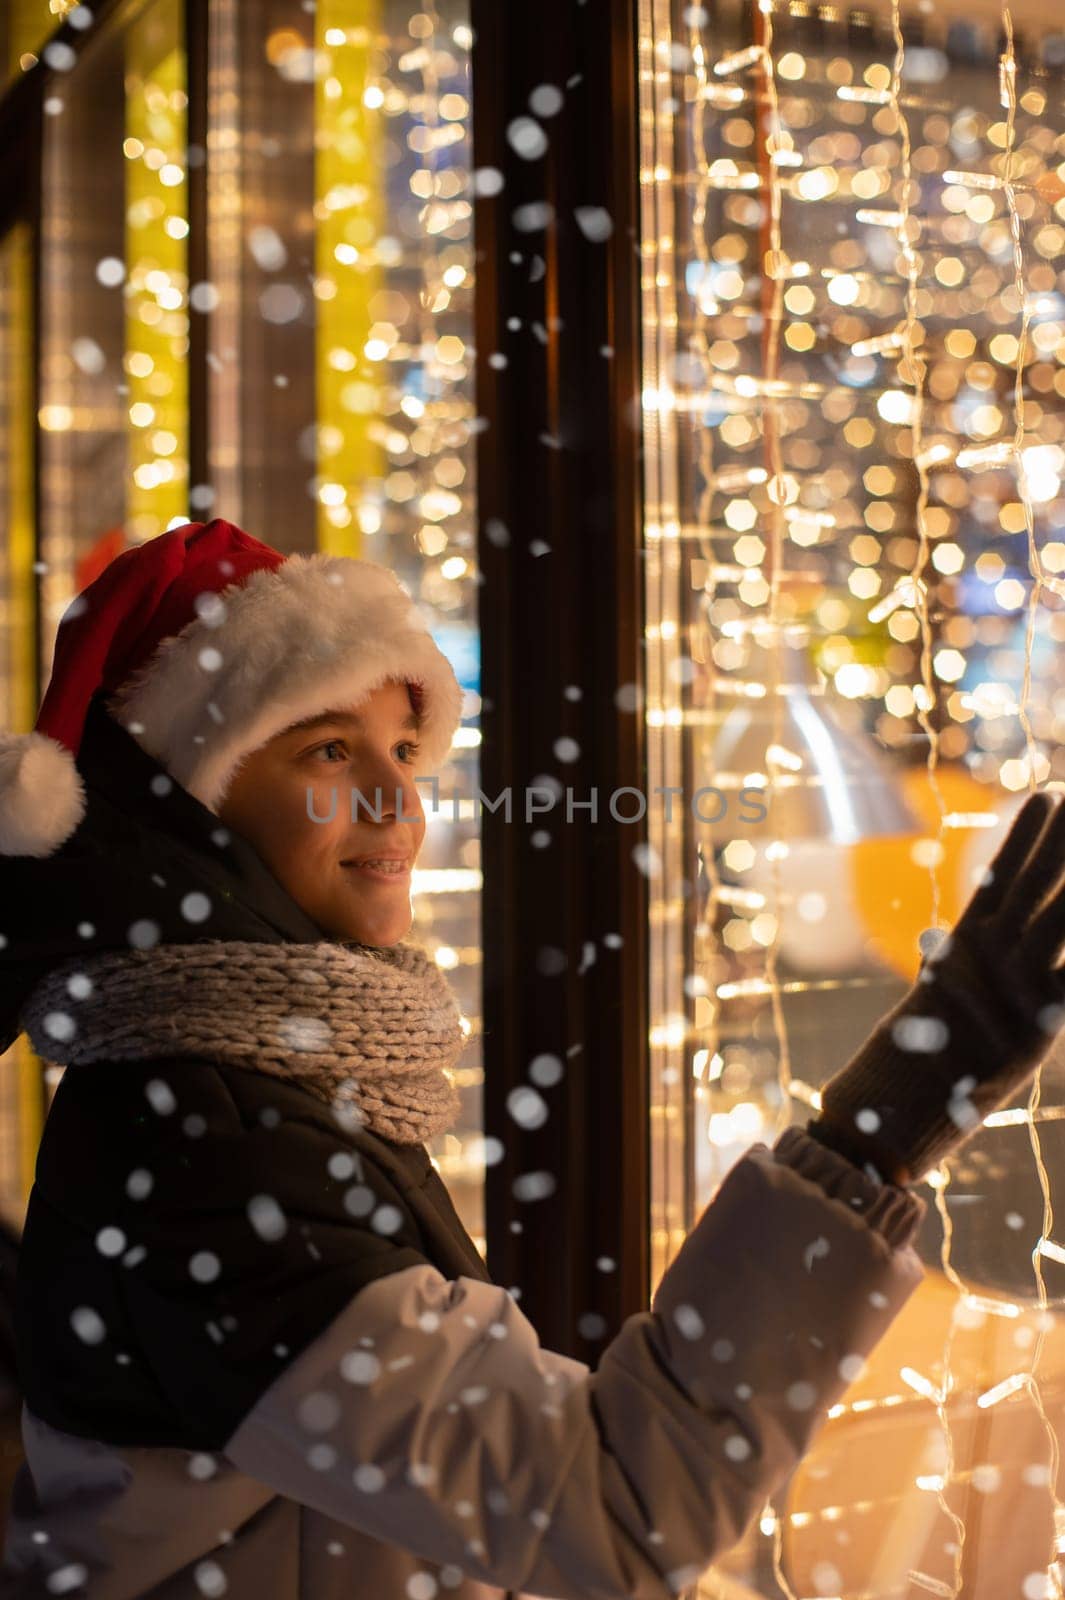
<point>338,300</point>
<point>113,411</point>
<point>854,425</point>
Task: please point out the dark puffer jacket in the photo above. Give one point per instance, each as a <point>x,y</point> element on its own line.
<point>261,1357</point>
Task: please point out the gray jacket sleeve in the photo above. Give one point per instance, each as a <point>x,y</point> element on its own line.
<point>428,1415</point>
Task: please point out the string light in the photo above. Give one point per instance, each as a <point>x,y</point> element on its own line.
<point>921,284</point>
<point>1008,80</point>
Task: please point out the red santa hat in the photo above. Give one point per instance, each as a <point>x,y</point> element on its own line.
<point>207,643</point>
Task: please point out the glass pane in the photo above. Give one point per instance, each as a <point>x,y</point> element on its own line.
<point>20,1099</point>
<point>854,371</point>
<point>114,333</point>
<point>340,267</point>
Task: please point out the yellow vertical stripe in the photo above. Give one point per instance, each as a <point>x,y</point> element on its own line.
<point>21,640</point>
<point>350,206</point>
<point>21,633</point>
<point>157,312</point>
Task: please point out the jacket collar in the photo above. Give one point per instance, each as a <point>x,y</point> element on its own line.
<point>142,848</point>
<point>137,788</point>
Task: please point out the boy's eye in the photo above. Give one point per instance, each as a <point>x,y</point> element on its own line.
<point>338,744</point>
<point>330,744</point>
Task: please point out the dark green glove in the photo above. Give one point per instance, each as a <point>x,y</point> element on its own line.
<point>981,1015</point>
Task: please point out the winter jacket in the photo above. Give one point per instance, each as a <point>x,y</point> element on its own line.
<point>261,1357</point>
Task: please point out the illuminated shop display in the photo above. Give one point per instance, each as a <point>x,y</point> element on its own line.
<point>854,414</point>
<point>295,283</point>
<point>340,271</point>
<point>113,411</point>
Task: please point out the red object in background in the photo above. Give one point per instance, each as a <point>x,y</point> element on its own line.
<point>90,565</point>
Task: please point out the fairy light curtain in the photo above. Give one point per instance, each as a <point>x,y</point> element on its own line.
<point>853,243</point>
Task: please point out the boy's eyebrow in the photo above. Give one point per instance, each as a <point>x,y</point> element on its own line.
<point>351,717</point>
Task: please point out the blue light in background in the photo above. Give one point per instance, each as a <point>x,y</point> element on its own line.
<point>462,646</point>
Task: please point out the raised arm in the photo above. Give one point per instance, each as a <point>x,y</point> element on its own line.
<point>427,1414</point>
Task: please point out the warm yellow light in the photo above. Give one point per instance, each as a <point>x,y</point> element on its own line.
<point>1009,594</point>
<point>879,479</point>
<point>283,42</point>
<point>899,700</point>
<point>864,549</point>
<point>800,336</point>
<point>844,289</point>
<point>950,271</point>
<point>740,515</point>
<point>738,855</point>
<point>894,405</point>
<point>855,679</point>
<point>989,566</point>
<point>949,665</point>
<point>749,550</point>
<point>948,558</point>
<point>817,184</point>
<point>960,342</point>
<point>55,418</point>
<point>864,583</point>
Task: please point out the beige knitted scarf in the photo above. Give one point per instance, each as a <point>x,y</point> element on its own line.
<point>372,1031</point>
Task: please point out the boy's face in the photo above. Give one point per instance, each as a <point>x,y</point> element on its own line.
<point>279,790</point>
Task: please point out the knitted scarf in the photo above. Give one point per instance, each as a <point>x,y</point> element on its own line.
<point>372,1031</point>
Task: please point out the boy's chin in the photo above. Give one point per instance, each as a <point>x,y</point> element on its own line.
<point>380,935</point>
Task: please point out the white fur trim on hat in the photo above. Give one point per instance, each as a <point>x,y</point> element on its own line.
<point>285,643</point>
<point>42,796</point>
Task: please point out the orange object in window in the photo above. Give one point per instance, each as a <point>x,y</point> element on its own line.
<point>891,883</point>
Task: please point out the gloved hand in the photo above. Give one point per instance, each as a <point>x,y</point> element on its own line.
<point>981,1015</point>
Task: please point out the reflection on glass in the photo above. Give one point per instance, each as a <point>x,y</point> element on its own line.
<point>340,279</point>
<point>854,374</point>
<point>114,304</point>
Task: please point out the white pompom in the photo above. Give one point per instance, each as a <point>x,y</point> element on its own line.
<point>42,796</point>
